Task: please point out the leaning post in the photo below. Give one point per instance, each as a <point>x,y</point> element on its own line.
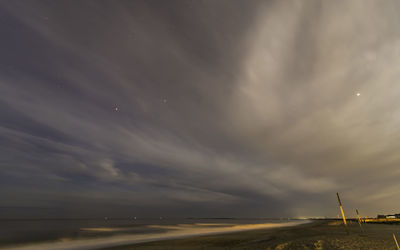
<point>341,210</point>
<point>395,240</point>
<point>359,221</point>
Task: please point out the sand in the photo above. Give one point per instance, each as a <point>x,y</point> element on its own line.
<point>320,234</point>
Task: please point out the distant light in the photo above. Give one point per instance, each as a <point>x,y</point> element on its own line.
<point>116,108</point>
<point>358,94</point>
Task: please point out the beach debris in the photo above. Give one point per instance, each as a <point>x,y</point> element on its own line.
<point>359,220</point>
<point>395,240</point>
<point>341,210</point>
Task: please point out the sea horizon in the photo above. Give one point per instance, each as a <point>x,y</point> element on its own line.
<point>67,233</point>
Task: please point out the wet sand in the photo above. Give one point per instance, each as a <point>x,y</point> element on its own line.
<point>320,234</point>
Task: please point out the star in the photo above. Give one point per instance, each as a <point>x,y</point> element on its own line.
<point>116,108</point>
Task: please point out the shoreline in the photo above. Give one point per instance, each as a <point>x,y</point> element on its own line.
<point>319,234</point>
<point>176,232</point>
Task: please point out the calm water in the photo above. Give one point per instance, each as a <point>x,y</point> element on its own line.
<point>30,231</point>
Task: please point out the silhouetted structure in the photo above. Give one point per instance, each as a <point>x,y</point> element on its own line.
<point>389,216</point>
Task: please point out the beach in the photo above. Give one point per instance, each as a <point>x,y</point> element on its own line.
<point>319,234</point>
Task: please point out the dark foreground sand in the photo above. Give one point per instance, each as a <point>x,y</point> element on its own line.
<point>321,234</point>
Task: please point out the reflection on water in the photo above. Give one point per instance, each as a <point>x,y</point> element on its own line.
<point>82,233</point>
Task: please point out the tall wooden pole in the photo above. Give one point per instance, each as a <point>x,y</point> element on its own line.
<point>359,221</point>
<point>341,210</point>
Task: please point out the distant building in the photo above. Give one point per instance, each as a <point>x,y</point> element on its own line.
<point>389,216</point>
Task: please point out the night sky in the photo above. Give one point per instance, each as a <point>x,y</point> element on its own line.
<point>199,108</point>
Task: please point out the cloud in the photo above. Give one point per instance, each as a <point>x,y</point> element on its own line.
<point>261,110</point>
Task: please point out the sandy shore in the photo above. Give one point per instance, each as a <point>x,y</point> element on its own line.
<point>321,234</point>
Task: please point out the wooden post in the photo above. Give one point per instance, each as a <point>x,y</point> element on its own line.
<point>341,210</point>
<point>359,221</point>
<point>395,240</point>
